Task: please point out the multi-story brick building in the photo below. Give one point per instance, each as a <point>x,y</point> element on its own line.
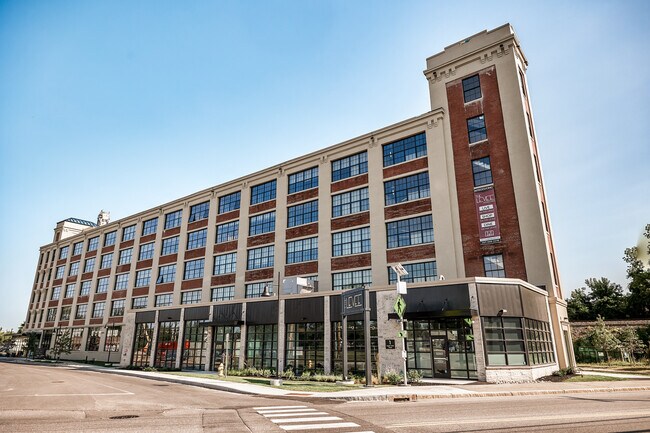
<point>455,195</point>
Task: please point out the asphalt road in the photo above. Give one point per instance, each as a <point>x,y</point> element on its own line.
<point>64,399</point>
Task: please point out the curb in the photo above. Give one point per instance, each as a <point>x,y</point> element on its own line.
<point>415,397</point>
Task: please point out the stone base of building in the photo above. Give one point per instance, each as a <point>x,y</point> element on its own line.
<point>518,374</point>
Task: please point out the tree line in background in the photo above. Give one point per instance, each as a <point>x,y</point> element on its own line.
<point>607,299</point>
<point>603,299</point>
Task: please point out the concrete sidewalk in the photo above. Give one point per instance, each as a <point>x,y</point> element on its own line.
<point>446,389</point>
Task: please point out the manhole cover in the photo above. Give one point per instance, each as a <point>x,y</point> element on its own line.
<point>124,416</point>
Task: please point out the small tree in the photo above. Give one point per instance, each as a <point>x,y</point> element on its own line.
<point>62,344</point>
<point>638,271</point>
<point>603,338</point>
<point>630,342</point>
<point>32,343</point>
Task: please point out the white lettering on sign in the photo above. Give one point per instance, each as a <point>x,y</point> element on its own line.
<point>488,224</point>
<point>355,301</point>
<point>486,216</point>
<point>485,207</point>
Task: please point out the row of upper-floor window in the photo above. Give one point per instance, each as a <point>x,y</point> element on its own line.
<point>402,233</point>
<point>399,190</point>
<point>416,272</point>
<point>353,165</point>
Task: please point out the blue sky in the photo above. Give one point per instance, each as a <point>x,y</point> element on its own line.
<point>127,105</point>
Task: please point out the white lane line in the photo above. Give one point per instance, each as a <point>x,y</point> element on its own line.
<point>262,412</point>
<point>318,418</point>
<point>318,426</point>
<point>278,407</point>
<point>278,415</point>
<point>537,418</point>
<point>64,395</point>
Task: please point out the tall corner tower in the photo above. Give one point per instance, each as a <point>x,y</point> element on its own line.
<point>480,85</point>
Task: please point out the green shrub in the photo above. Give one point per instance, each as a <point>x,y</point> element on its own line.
<point>414,376</point>
<point>392,377</point>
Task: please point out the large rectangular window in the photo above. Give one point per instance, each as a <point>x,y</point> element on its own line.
<point>92,341</point>
<point>164,300</point>
<point>263,223</point>
<point>263,192</point>
<point>166,274</point>
<point>144,333</point>
<point>405,149</point>
<point>89,265</point>
<point>139,303</point>
<point>65,313</point>
<point>417,272</point>
<point>173,219</point>
<point>93,243</point>
<point>350,166</point>
<point>98,309</point>
<point>225,264</point>
<point>74,269</point>
<point>260,257</point>
<point>77,248</point>
<point>112,340</point>
<point>125,256</point>
<point>195,345</point>
<point>481,171</point>
<point>476,129</point>
<point>407,188</point>
<point>117,307</point>
<point>303,213</point>
<point>146,251</point>
<point>169,246</point>
<point>355,241</point>
<point>84,290</point>
<point>255,290</point>
<point>494,266</point>
<point>150,226</point>
<point>199,211</point>
<point>303,180</point>
<point>356,347</point>
<point>82,309</point>
<point>194,269</point>
<point>229,202</point>
<point>303,250</point>
<point>51,315</point>
<point>227,232</point>
<point>102,285</point>
<point>350,202</point>
<point>60,271</point>
<point>70,289</point>
<point>262,346</point>
<point>305,347</point>
<point>471,88</point>
<point>540,344</point>
<point>196,239</point>
<point>63,253</point>
<point>128,233</point>
<point>412,231</point>
<point>351,279</point>
<point>121,282</point>
<point>56,293</point>
<point>504,341</point>
<point>109,238</point>
<point>107,261</point>
<point>191,297</point>
<point>222,293</point>
<point>143,278</point>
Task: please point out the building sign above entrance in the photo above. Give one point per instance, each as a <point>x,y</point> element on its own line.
<point>352,301</point>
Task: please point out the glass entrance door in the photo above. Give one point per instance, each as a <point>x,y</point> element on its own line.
<point>440,354</point>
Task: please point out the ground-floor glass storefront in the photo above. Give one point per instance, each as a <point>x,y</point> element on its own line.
<point>441,348</point>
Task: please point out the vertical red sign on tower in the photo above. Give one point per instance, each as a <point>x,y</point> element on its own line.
<point>486,211</point>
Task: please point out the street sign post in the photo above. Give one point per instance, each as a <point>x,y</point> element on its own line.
<point>400,309</point>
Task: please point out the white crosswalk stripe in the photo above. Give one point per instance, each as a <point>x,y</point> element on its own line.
<point>296,418</point>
